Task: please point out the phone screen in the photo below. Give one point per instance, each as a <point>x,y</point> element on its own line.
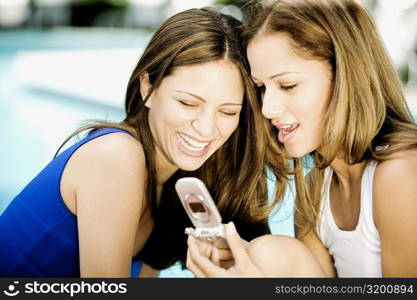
<point>198,203</point>
<point>197,207</point>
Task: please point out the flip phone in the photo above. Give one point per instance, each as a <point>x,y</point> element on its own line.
<point>200,208</point>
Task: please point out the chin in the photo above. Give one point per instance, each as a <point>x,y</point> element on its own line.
<point>188,163</point>
<point>296,153</point>
<point>190,166</point>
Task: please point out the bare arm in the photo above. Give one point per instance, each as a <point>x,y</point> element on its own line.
<point>109,190</point>
<point>395,214</point>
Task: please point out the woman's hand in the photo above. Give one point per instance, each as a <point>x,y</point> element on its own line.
<point>203,261</point>
<point>218,252</point>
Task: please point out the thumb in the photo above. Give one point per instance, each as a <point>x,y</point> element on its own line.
<point>235,243</point>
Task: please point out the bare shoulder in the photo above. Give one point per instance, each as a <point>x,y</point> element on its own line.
<point>117,143</point>
<point>395,185</point>
<point>117,149</point>
<point>397,171</point>
<point>114,160</point>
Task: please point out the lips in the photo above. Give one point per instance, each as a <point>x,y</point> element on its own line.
<point>288,128</point>
<point>286,131</point>
<point>191,146</point>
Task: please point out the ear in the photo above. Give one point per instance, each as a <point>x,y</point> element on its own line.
<point>145,88</point>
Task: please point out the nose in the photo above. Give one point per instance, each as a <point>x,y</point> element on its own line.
<point>272,105</point>
<point>205,125</point>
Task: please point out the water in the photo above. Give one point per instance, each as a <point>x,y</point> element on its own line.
<point>35,119</point>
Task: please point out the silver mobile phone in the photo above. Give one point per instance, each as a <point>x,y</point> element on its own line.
<point>200,208</point>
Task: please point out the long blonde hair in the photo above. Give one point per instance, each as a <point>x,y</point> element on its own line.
<point>368,108</point>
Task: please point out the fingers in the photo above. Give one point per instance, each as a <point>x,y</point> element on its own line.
<point>204,247</point>
<point>219,247</point>
<point>215,257</point>
<point>221,244</point>
<point>222,258</point>
<point>236,244</point>
<point>200,264</point>
<point>227,264</point>
<point>192,267</point>
<point>212,252</point>
<point>224,254</point>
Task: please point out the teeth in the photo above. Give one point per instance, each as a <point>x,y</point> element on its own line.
<point>191,144</point>
<point>287,128</point>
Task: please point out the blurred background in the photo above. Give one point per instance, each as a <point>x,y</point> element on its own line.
<point>66,61</point>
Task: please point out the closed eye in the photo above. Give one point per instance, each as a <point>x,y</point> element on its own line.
<point>288,87</point>
<point>229,113</point>
<point>188,104</point>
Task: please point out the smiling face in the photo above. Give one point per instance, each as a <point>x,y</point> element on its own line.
<point>295,91</point>
<point>194,111</point>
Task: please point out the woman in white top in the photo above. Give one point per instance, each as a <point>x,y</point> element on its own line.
<point>330,92</point>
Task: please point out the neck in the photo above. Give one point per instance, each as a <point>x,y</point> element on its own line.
<point>164,168</point>
<point>346,174</point>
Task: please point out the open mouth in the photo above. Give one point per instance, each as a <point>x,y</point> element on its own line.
<point>190,143</point>
<point>287,129</point>
<point>286,132</point>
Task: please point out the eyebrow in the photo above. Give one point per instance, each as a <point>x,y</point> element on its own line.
<point>277,75</point>
<point>203,100</point>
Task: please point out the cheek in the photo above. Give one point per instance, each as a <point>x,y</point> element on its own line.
<point>168,114</point>
<point>321,108</point>
<point>310,107</point>
<point>324,94</point>
<point>227,127</point>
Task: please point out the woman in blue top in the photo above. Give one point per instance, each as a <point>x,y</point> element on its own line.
<point>190,106</point>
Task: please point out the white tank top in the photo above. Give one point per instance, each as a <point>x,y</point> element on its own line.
<point>356,253</point>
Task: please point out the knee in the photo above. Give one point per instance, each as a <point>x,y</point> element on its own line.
<point>283,256</point>
<point>269,247</point>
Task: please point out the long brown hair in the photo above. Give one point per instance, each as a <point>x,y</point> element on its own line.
<point>235,174</point>
<point>367,109</point>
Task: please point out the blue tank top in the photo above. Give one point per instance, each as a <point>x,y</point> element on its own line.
<point>38,233</point>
